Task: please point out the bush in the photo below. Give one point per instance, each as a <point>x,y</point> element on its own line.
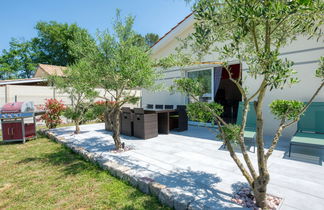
<point>53,110</point>
<point>204,111</point>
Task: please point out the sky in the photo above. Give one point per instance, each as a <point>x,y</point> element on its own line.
<point>19,17</point>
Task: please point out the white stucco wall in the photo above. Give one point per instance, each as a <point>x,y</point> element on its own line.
<point>305,54</point>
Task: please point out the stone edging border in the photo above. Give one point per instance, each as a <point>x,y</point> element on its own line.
<point>171,197</point>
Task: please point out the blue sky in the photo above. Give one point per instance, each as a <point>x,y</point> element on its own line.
<point>18,17</point>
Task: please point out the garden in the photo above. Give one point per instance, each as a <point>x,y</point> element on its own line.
<point>194,169</point>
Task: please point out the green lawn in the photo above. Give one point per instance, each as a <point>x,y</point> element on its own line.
<point>42,174</point>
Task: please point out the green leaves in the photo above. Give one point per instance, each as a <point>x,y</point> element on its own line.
<point>231,133</point>
<point>320,70</point>
<point>278,72</point>
<point>19,61</point>
<point>253,32</point>
<point>286,110</point>
<point>77,83</point>
<point>52,42</point>
<point>117,62</point>
<point>151,38</point>
<point>193,88</point>
<point>204,112</point>
<point>132,99</point>
<point>51,46</point>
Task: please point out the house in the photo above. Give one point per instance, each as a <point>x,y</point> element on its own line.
<point>44,70</point>
<point>36,88</point>
<point>304,52</point>
<point>39,79</point>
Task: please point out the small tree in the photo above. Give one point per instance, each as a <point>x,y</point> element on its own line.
<point>119,65</point>
<point>80,90</point>
<point>253,32</point>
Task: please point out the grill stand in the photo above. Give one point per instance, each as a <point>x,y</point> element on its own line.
<point>13,130</point>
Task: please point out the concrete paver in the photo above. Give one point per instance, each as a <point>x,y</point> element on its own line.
<point>191,169</point>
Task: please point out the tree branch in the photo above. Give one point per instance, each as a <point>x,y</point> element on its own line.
<point>242,143</point>
<point>275,139</point>
<point>234,156</point>
<point>239,86</point>
<point>211,111</point>
<point>255,39</point>
<point>280,22</point>
<point>241,139</point>
<point>282,125</point>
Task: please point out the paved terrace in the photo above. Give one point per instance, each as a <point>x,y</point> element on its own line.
<point>197,172</point>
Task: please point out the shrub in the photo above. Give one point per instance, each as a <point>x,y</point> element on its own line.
<point>53,110</point>
<point>204,111</point>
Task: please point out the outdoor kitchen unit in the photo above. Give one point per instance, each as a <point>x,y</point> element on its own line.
<point>13,117</point>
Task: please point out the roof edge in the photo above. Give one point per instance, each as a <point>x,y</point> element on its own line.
<point>22,81</point>
<point>171,30</point>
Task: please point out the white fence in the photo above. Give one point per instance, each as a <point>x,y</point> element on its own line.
<point>2,95</point>
<point>38,94</point>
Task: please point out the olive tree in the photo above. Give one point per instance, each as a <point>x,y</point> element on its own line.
<point>252,32</point>
<point>119,65</point>
<point>80,89</point>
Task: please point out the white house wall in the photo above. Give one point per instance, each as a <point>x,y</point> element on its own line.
<point>164,96</point>
<point>305,67</point>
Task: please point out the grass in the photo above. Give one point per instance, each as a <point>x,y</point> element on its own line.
<point>42,174</point>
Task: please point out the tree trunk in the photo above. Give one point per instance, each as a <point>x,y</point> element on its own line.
<point>261,182</point>
<point>116,128</point>
<point>108,123</point>
<point>260,191</point>
<point>77,126</point>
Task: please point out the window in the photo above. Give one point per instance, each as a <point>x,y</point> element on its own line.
<point>205,77</point>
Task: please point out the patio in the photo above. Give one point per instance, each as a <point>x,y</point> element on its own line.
<point>197,172</point>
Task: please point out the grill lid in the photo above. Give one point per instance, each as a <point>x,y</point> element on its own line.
<point>17,107</point>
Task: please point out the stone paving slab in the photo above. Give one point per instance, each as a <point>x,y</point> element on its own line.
<point>191,170</point>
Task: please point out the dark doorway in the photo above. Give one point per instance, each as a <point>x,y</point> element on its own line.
<point>227,93</point>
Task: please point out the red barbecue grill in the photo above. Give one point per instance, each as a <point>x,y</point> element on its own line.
<point>13,124</point>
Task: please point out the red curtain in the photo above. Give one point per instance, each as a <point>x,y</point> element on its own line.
<point>235,70</point>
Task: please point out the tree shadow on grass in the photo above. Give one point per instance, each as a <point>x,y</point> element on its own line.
<point>72,163</point>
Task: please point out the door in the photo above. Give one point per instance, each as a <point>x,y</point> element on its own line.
<point>12,131</point>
